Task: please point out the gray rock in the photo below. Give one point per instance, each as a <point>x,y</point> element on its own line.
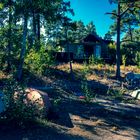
<point>133,80</point>
<point>132,76</point>
<point>2,107</point>
<point>129,76</point>
<point>136,94</point>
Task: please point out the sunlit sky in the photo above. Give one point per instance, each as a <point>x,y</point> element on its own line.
<point>94,10</point>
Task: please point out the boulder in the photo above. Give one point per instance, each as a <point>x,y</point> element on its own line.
<point>36,98</point>
<point>2,107</point>
<point>129,76</point>
<point>136,94</point>
<point>39,98</point>
<point>133,80</point>
<point>132,76</point>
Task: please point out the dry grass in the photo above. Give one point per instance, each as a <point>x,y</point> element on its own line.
<point>65,67</point>
<point>97,72</point>
<point>100,76</point>
<point>130,68</point>
<point>88,127</point>
<point>77,66</point>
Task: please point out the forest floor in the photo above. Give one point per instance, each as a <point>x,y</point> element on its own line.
<point>108,113</point>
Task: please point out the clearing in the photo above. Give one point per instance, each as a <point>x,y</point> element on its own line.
<point>107,114</point>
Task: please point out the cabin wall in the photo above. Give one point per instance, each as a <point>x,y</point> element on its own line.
<point>80,51</point>
<point>104,51</point>
<point>97,51</point>
<point>76,49</point>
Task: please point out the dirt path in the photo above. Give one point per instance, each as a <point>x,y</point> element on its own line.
<point>101,120</point>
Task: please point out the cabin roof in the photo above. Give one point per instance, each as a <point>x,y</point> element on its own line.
<point>92,38</point>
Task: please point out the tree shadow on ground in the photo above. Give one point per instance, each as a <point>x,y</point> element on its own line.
<point>33,131</point>
<point>94,112</point>
<point>28,79</point>
<point>70,106</point>
<point>118,117</point>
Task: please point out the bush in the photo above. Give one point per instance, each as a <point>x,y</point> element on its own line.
<point>85,68</point>
<point>17,106</point>
<point>87,92</point>
<point>124,60</point>
<point>94,60</point>
<point>112,53</point>
<point>130,50</point>
<point>137,59</point>
<point>115,94</point>
<point>37,61</point>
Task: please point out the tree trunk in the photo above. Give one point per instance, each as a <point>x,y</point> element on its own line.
<point>34,22</point>
<point>34,26</point>
<point>23,49</point>
<point>38,30</point>
<point>130,33</point>
<point>118,54</point>
<point>8,69</point>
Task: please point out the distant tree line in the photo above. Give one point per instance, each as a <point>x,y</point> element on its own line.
<point>127,21</point>
<point>30,27</point>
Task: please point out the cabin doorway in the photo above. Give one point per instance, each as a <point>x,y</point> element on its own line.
<point>88,50</point>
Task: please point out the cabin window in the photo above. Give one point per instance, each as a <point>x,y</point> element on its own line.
<point>80,51</point>
<point>97,51</point>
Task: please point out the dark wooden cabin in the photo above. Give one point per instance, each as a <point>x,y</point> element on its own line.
<point>92,44</point>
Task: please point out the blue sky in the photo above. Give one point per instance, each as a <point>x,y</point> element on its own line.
<point>93,10</point>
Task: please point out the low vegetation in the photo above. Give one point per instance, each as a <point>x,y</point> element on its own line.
<point>93,81</point>
<point>82,95</point>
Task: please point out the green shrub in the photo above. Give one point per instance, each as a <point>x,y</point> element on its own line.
<point>115,94</point>
<point>112,53</point>
<point>94,60</point>
<point>130,50</point>
<point>37,61</point>
<point>87,92</point>
<point>124,60</point>
<point>17,106</point>
<point>56,103</point>
<point>137,59</point>
<point>86,67</point>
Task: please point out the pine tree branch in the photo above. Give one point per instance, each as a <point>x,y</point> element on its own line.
<point>129,40</point>
<point>112,14</point>
<point>132,5</point>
